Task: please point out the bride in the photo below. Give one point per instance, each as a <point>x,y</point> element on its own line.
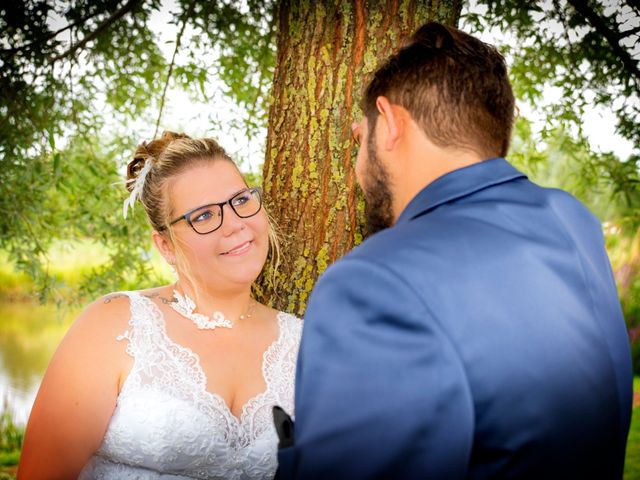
<point>176,381</point>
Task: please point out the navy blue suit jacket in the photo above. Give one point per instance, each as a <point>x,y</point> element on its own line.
<point>479,337</point>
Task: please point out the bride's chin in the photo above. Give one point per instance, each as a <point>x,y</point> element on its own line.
<point>244,275</point>
<point>249,278</point>
<point>236,274</point>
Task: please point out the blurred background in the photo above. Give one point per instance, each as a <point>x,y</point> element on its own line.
<point>83,82</point>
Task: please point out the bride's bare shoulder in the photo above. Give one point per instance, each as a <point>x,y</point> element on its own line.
<point>119,303</point>
<point>94,337</point>
<point>109,304</point>
<point>106,316</point>
<point>113,311</point>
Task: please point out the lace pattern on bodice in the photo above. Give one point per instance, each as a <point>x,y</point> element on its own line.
<point>168,425</point>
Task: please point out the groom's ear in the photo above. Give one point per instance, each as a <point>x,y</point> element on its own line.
<point>391,121</point>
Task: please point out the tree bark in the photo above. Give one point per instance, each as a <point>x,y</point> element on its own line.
<point>325,52</point>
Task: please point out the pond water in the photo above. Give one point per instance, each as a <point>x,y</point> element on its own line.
<point>29,335</point>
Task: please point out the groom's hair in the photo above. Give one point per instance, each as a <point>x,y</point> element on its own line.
<point>454,86</point>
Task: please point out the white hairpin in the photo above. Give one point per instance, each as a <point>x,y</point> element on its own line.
<point>138,185</point>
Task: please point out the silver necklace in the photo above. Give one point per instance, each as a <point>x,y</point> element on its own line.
<point>185,306</point>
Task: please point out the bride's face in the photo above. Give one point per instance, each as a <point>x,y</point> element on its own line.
<point>232,256</point>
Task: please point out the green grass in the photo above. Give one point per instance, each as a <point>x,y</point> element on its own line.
<point>9,458</point>
<point>632,463</point>
<point>11,437</point>
<point>70,262</point>
<point>68,257</point>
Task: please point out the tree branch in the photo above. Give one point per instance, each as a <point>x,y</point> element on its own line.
<point>597,22</point>
<point>126,8</point>
<point>10,52</point>
<point>560,12</point>
<point>635,4</point>
<point>628,33</point>
<point>269,38</point>
<point>173,60</point>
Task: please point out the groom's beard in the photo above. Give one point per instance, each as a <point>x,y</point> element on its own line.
<point>377,194</point>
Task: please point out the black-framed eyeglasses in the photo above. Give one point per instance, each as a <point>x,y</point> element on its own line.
<point>208,218</point>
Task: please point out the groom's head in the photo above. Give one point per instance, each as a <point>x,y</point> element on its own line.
<point>445,101</point>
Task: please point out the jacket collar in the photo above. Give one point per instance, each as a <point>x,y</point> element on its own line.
<point>459,183</point>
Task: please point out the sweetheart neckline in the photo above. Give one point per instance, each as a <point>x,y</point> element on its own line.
<point>196,365</point>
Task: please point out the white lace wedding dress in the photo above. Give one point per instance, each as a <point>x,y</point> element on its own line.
<point>166,425</point>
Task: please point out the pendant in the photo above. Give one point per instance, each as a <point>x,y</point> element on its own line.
<point>185,307</point>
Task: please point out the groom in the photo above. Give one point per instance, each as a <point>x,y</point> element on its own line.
<point>477,335</point>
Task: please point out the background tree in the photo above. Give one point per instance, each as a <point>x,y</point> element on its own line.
<point>588,52</point>
<point>82,82</point>
<point>325,50</point>
<point>77,80</point>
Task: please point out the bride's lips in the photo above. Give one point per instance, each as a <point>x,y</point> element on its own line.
<point>239,249</point>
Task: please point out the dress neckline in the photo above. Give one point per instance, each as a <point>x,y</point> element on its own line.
<point>216,398</point>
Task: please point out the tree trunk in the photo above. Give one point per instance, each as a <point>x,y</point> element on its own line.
<point>325,52</point>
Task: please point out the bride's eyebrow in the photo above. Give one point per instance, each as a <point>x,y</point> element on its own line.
<point>223,201</point>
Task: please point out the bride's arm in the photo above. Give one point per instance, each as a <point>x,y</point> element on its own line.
<point>77,395</point>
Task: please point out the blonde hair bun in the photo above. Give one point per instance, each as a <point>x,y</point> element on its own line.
<point>148,152</point>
